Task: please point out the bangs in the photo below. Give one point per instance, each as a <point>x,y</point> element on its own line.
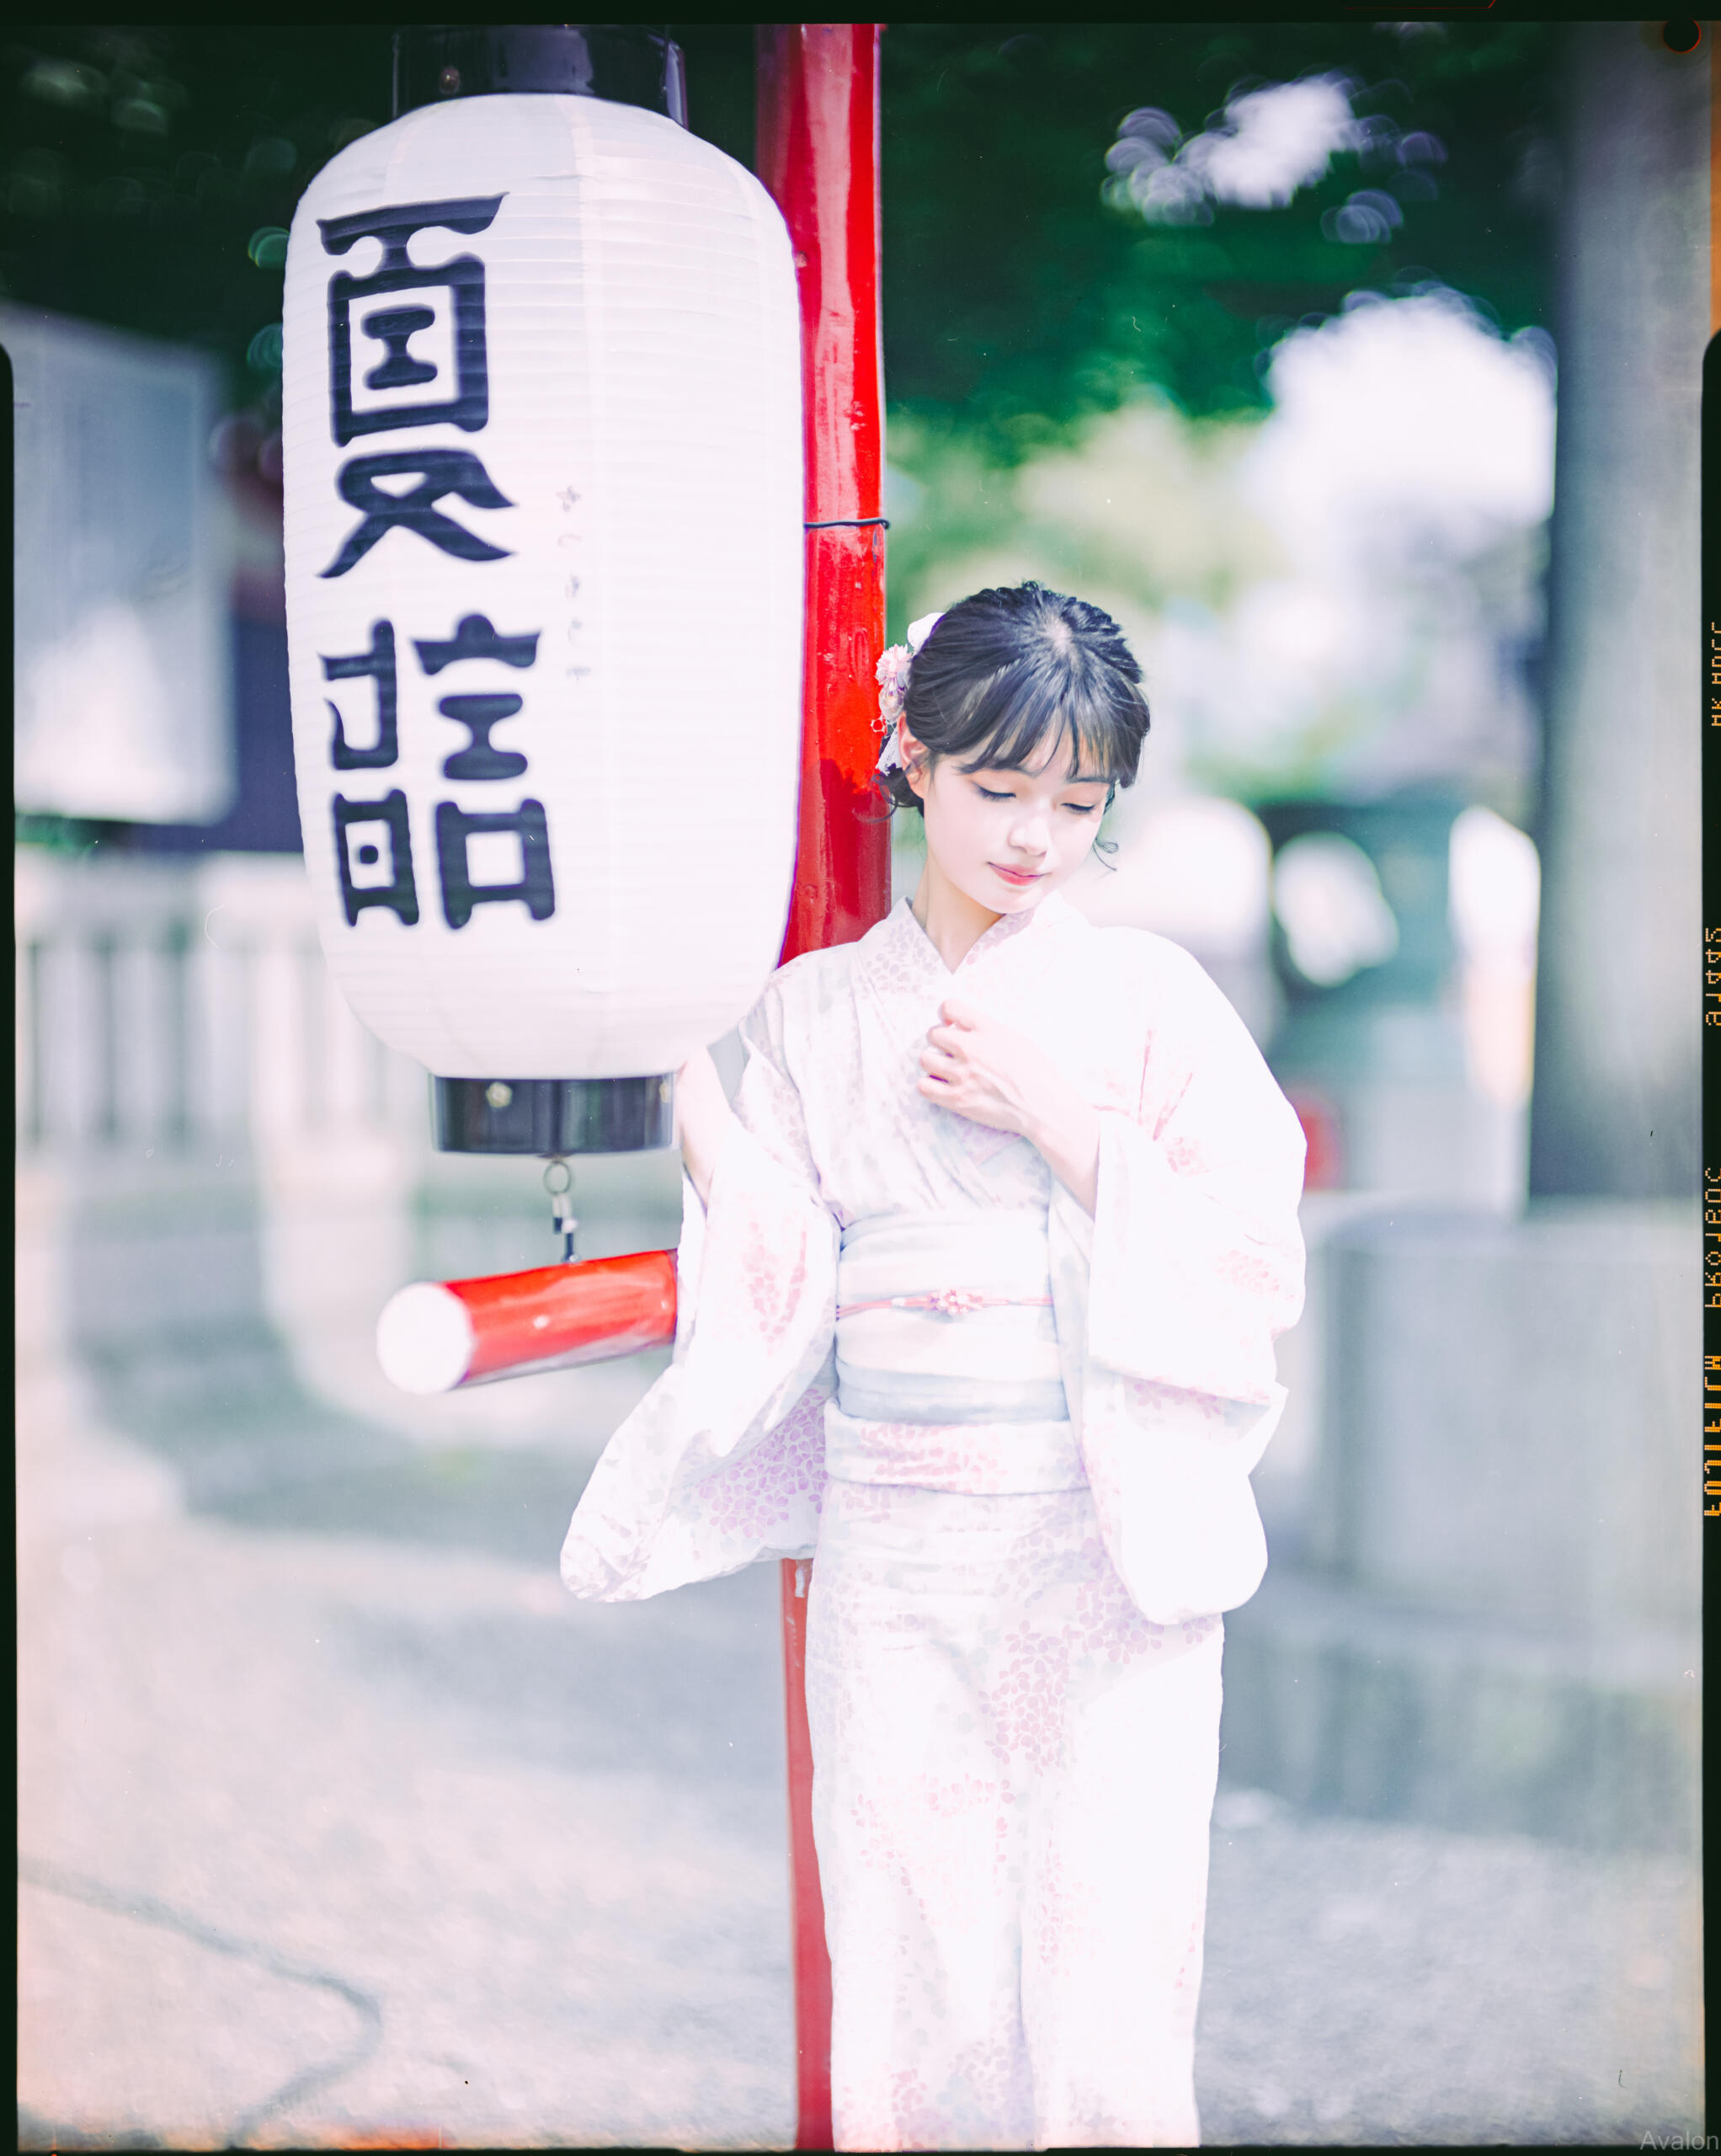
<point>1013,719</point>
<point>1017,678</point>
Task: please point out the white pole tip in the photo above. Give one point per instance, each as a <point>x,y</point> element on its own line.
<point>425,1338</point>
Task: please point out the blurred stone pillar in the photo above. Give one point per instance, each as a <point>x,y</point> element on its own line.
<point>1615,1109</point>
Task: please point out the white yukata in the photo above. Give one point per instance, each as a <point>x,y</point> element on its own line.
<point>1027,1501</point>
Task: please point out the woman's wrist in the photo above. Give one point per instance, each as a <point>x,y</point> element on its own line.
<point>1068,1140</point>
<point>703,1117</point>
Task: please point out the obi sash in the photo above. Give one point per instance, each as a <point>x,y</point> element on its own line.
<point>945,1319</point>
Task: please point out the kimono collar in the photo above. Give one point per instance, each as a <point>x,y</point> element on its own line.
<point>906,942</point>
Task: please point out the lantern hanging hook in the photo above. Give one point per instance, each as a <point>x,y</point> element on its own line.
<point>558,1181</point>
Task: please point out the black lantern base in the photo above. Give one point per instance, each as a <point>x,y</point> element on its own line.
<point>624,63</point>
<point>549,1116</point>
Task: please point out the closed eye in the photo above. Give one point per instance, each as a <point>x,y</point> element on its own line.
<point>1076,807</point>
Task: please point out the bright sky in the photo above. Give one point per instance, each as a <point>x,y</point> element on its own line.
<point>1413,407</point>
<point>1407,441</point>
<point>1272,141</point>
<point>1276,141</point>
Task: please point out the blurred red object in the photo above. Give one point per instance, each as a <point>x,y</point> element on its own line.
<point>438,1335</point>
<point>247,456</point>
<point>1324,1168</point>
<point>818,154</point>
<point>390,2137</point>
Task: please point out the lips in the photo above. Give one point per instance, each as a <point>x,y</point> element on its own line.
<point>1016,875</point>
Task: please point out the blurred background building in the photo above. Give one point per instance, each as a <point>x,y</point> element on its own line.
<point>1252,335</point>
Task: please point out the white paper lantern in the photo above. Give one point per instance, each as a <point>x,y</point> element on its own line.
<point>541,427</point>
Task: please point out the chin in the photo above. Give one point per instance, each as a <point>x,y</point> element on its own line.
<point>1017,897</point>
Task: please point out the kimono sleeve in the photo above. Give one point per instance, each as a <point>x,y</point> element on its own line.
<point>721,1463</point>
<point>1194,1266</point>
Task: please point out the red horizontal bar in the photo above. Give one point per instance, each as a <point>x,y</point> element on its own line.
<point>564,1315</point>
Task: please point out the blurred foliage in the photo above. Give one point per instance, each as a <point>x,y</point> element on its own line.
<point>147,169</point>
<point>71,836</point>
<point>1018,308</point>
<point>1016,302</point>
<point>149,172</point>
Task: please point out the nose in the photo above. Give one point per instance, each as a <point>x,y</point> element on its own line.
<point>1032,832</point>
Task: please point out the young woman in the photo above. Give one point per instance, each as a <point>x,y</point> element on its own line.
<point>979,1287</point>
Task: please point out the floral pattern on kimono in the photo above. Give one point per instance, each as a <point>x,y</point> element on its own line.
<point>1013,1643</point>
<point>1167,1300</point>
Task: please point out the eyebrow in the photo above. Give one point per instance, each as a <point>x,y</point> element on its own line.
<point>1086,778</point>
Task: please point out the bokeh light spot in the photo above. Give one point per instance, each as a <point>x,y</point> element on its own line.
<point>263,353</point>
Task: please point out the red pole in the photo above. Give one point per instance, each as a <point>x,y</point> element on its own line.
<point>817,153</point>
<point>439,1335</point>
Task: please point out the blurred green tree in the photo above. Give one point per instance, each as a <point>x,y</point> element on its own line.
<point>1017,302</point>
<point>1020,305</point>
<point>149,171</point>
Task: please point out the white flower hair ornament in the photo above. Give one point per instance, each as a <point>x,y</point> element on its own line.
<point>892,676</point>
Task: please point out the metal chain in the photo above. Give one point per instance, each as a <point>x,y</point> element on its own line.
<point>558,1181</point>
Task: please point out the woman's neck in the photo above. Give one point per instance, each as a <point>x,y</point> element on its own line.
<point>953,922</point>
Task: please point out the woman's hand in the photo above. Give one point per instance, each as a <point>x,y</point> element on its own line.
<point>976,1067</point>
<point>702,1119</point>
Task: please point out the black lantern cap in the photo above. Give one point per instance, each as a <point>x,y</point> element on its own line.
<point>618,61</point>
<point>553,1115</point>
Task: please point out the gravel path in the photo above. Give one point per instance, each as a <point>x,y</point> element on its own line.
<point>343,1824</point>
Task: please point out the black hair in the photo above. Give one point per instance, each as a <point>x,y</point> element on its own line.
<point>1006,668</point>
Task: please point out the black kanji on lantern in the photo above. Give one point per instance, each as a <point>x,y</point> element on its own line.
<point>478,714</point>
<point>534,886</point>
<point>373,850</point>
<point>475,637</point>
<point>441,472</point>
<point>378,663</point>
<point>449,296</point>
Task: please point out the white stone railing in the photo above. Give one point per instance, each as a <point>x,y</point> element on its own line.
<point>170,1007</point>
<point>207,1138</point>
